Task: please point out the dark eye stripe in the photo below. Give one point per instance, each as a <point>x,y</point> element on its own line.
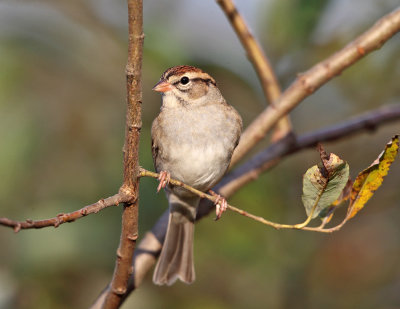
<point>197,79</point>
<point>208,80</point>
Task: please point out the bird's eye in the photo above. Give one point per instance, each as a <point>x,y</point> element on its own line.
<point>184,80</point>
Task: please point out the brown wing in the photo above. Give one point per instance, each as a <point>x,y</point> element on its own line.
<point>154,151</point>
<point>239,125</point>
<point>155,131</point>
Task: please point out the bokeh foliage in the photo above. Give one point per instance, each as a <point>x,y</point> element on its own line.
<point>62,105</point>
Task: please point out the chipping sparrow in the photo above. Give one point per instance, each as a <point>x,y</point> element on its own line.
<point>193,138</point>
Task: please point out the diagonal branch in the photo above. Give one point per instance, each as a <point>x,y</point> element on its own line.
<point>267,158</point>
<point>308,82</point>
<point>256,55</point>
<point>214,199</point>
<point>114,200</point>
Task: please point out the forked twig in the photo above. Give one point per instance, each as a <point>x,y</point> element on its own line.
<point>308,82</point>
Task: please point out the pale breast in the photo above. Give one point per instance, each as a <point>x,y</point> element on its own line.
<point>196,144</point>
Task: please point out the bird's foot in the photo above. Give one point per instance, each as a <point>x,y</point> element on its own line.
<point>164,178</point>
<point>221,205</point>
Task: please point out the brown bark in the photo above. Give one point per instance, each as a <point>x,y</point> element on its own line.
<point>129,233</point>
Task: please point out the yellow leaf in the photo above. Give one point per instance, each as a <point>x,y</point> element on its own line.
<point>370,179</point>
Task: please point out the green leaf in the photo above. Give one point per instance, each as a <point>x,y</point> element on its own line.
<point>322,184</point>
<point>328,213</point>
<point>370,179</point>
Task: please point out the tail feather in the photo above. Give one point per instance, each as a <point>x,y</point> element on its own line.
<point>176,258</point>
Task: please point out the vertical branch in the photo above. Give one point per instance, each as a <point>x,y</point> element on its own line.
<point>130,187</point>
<point>269,82</point>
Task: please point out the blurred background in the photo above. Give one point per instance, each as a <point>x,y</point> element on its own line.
<point>62,106</point>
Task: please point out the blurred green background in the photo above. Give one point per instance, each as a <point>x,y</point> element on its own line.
<point>62,105</point>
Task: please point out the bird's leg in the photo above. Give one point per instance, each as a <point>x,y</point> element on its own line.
<point>220,204</point>
<point>164,179</point>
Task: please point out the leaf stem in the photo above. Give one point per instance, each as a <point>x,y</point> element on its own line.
<point>310,216</point>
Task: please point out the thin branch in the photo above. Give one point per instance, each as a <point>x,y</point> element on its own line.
<point>267,158</point>
<point>145,173</point>
<point>129,233</point>
<point>114,200</point>
<point>310,81</point>
<point>256,55</point>
<point>213,198</point>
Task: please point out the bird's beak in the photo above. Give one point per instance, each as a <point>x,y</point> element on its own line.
<point>162,86</point>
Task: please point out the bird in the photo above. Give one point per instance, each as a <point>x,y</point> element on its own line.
<point>193,139</point>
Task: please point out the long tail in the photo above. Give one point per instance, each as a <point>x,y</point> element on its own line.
<point>176,258</point>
